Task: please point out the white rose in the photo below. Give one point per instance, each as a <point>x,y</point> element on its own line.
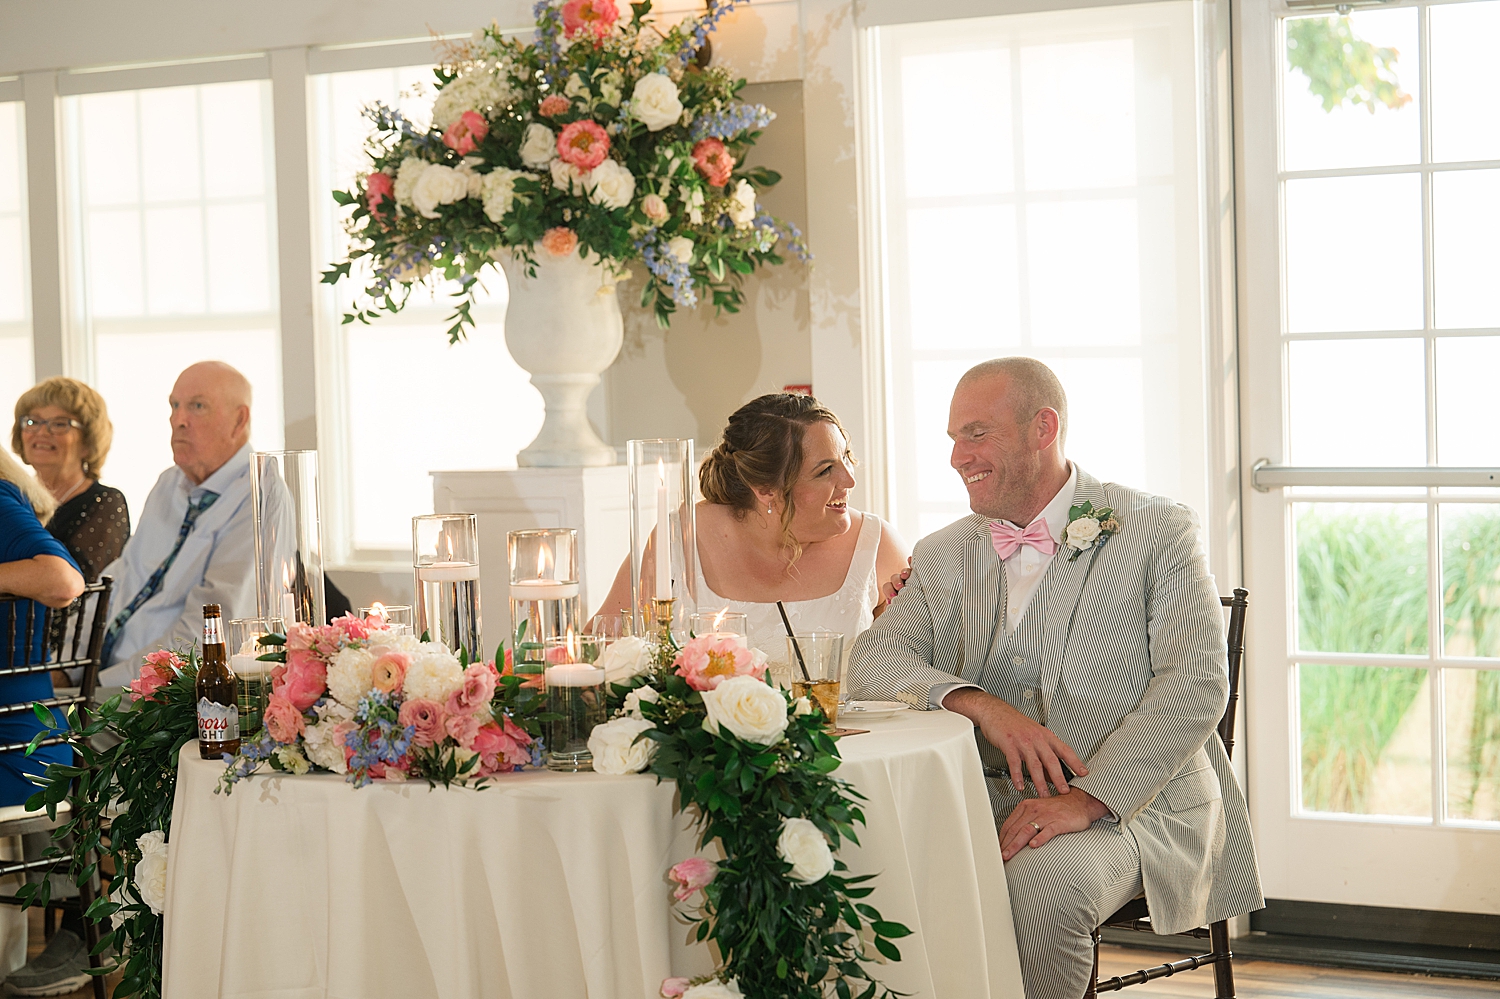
<point>566,177</point>
<point>802,706</point>
<point>714,989</point>
<point>538,146</point>
<point>624,659</point>
<point>654,101</point>
<point>438,185</point>
<point>433,675</point>
<point>118,896</point>
<point>349,675</point>
<point>682,248</point>
<point>499,191</point>
<point>635,697</point>
<point>615,749</point>
<point>1082,532</point>
<point>804,846</point>
<point>407,176</point>
<point>742,204</point>
<point>576,86</point>
<point>748,708</point>
<point>611,185</point>
<point>151,870</point>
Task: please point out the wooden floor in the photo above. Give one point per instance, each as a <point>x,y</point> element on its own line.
<point>1268,980</point>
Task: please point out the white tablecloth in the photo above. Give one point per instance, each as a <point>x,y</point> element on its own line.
<point>547,885</point>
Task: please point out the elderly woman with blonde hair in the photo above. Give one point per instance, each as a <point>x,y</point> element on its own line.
<point>62,430</point>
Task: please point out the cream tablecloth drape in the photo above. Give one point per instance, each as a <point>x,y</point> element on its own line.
<point>547,886</point>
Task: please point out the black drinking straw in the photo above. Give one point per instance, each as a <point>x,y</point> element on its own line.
<point>795,647</point>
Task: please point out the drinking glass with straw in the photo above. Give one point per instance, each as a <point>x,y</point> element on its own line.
<point>819,656</point>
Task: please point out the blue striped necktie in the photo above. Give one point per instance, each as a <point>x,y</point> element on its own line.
<point>154,583</point>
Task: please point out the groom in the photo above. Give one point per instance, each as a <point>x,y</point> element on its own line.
<point>1073,636</point>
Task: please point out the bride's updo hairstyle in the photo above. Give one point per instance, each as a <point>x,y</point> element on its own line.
<point>762,449</point>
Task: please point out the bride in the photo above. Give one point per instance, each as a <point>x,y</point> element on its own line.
<point>775,524</point>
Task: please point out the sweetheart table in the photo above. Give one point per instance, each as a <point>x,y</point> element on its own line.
<point>545,885</point>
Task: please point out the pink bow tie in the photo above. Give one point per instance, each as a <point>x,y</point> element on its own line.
<point>1008,538</point>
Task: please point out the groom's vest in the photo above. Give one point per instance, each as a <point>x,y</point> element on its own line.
<point>1013,669</point>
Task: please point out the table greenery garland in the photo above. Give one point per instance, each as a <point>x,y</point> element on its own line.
<point>599,136</point>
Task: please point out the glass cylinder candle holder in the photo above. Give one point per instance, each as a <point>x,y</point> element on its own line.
<point>445,562</point>
<point>720,624</point>
<point>288,551</point>
<point>575,693</point>
<point>544,603</point>
<point>662,521</point>
<point>252,674</point>
<point>395,618</point>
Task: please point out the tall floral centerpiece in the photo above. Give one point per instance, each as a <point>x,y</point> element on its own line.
<point>561,160</point>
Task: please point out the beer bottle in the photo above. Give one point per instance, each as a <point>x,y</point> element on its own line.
<point>218,713</point>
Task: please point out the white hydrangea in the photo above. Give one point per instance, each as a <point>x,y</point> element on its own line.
<point>576,86</point>
<point>433,675</point>
<point>407,176</point>
<point>349,675</point>
<point>476,90</point>
<point>611,87</point>
<point>499,191</point>
<point>318,740</point>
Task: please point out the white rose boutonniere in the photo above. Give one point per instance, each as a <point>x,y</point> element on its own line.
<point>1089,528</point>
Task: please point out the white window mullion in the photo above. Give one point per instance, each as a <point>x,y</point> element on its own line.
<point>293,232</point>
<point>44,221</point>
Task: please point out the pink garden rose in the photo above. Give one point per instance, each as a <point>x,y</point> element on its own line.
<point>692,874</point>
<point>355,629</point>
<point>595,17</point>
<point>654,207</point>
<point>160,669</point>
<point>560,241</point>
<point>585,144</point>
<point>378,187</point>
<point>324,641</point>
<point>478,687</point>
<point>389,671</point>
<point>304,680</point>
<point>707,662</point>
<point>282,719</point>
<point>427,717</point>
<point>462,729</point>
<point>466,133</point>
<point>713,161</point>
<point>554,104</point>
<point>671,988</point>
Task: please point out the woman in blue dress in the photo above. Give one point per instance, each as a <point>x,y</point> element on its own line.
<point>33,565</point>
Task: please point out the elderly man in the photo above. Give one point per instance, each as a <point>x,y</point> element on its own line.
<point>1075,623</point>
<point>194,543</point>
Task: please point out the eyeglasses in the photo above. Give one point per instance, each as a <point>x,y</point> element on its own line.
<point>30,425</point>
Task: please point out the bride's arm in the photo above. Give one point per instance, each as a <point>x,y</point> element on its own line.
<point>891,559</point>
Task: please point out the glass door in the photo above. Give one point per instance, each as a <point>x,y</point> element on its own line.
<point>1371,324</point>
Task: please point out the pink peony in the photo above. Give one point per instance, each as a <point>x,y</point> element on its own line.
<point>560,241</point>
<point>554,104</point>
<point>671,988</point>
<point>160,669</point>
<point>304,680</point>
<point>501,745</point>
<point>427,717</point>
<point>389,671</point>
<point>462,729</point>
<point>282,719</point>
<point>466,133</point>
<point>585,144</point>
<point>707,662</point>
<point>378,187</point>
<point>713,161</point>
<point>692,874</point>
<point>596,17</point>
<point>478,687</point>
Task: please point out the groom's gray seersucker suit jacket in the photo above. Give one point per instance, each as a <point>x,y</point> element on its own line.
<point>1133,677</point>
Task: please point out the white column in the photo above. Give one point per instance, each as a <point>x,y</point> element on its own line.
<point>296,277</point>
<point>44,218</point>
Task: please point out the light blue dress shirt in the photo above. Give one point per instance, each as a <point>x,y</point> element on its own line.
<point>215,566</point>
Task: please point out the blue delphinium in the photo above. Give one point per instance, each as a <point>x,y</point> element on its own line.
<point>665,266</point>
<point>731,121</point>
<point>700,34</point>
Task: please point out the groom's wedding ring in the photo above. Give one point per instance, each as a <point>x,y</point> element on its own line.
<point>1036,827</point>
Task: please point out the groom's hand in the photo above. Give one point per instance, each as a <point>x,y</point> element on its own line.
<point>1033,822</point>
<point>1022,740</point>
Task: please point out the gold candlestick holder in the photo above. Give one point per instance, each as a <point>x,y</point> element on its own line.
<point>666,645</point>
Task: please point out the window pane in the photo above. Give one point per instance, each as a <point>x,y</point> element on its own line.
<point>931,118</point>
<point>952,251</point>
<point>1357,402</point>
<point>1471,703</point>
<point>1466,369</point>
<point>1350,91</point>
<point>1471,579</point>
<point>170,143</point>
<point>15,291</point>
<point>1361,577</point>
<point>1366,740</point>
<point>1466,254</point>
<point>1080,110</point>
<point>1465,116</point>
<point>1330,289</point>
<point>1076,245</point>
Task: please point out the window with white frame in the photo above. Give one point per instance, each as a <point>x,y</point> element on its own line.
<point>1041,194</point>
<point>172,214</point>
<point>398,401</point>
<point>15,293</point>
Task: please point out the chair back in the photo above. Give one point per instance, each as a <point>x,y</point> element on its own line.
<point>37,639</point>
<point>1236,641</point>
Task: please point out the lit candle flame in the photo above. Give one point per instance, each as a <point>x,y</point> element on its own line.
<point>572,644</point>
<point>541,562</point>
<point>719,617</point>
<point>377,610</point>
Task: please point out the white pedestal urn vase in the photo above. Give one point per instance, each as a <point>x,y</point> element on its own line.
<point>563,327</point>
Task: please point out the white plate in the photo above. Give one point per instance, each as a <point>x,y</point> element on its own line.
<point>869,710</point>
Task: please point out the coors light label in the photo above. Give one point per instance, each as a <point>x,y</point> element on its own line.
<point>217,722</point>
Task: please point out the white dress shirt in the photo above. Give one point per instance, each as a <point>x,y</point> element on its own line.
<point>215,566</point>
<point>1024,570</point>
